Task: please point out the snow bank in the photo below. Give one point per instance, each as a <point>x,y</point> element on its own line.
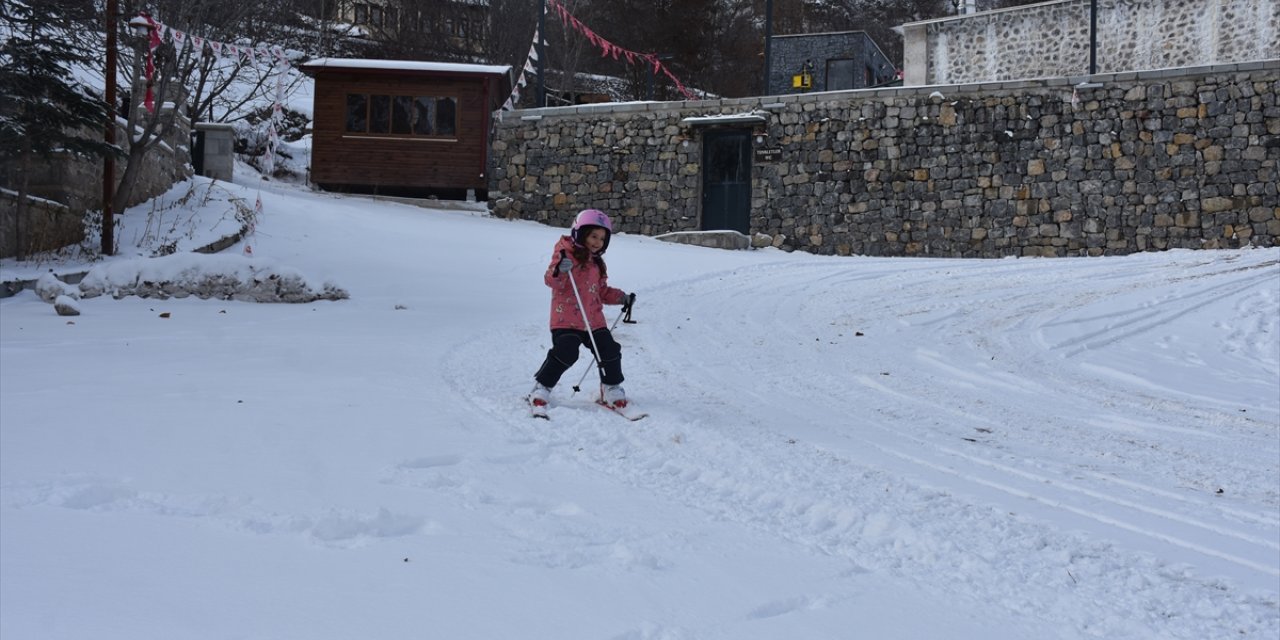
<point>224,277</point>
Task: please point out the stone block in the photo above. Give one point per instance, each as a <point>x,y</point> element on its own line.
<point>1214,205</point>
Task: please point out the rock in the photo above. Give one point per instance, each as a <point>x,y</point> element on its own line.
<point>66,306</point>
<point>49,287</point>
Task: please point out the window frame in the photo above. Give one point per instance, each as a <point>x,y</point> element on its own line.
<point>378,113</point>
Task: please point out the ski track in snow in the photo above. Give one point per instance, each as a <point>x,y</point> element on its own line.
<point>334,528</point>
<point>838,448</point>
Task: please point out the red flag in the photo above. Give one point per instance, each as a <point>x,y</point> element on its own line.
<point>153,41</point>
<point>155,37</point>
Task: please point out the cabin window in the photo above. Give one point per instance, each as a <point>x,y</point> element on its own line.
<point>446,116</point>
<point>357,112</point>
<point>379,114</point>
<point>402,116</point>
<point>424,113</point>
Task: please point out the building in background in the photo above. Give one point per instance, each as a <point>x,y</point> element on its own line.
<point>836,61</point>
<point>436,30</point>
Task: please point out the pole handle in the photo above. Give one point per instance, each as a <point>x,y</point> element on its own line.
<point>562,257</point>
<point>626,309</point>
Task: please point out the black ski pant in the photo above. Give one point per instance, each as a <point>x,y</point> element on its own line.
<point>564,352</point>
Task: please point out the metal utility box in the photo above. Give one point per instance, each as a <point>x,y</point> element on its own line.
<point>214,154</point>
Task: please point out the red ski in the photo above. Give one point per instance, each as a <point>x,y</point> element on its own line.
<point>624,409</point>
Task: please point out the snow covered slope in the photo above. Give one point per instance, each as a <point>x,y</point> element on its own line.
<point>837,447</point>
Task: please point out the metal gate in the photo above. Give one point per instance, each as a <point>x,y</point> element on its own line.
<point>726,180</point>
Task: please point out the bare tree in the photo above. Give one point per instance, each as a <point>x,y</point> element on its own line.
<point>147,127</point>
<point>735,63</point>
<point>511,27</point>
<point>191,80</point>
<point>436,30</point>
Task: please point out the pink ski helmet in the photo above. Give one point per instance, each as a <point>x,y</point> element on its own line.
<point>591,218</point>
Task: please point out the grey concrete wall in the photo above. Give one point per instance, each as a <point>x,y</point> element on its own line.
<point>1135,162</point>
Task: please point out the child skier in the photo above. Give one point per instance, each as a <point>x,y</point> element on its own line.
<point>577,260</point>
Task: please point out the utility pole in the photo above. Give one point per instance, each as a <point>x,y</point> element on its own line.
<point>542,53</point>
<point>1093,37</point>
<point>108,161</point>
<point>768,37</point>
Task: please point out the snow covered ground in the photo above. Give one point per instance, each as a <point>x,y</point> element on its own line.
<point>837,447</point>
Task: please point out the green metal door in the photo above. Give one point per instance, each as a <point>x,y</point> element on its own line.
<point>726,180</point>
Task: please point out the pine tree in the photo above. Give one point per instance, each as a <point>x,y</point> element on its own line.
<point>44,111</point>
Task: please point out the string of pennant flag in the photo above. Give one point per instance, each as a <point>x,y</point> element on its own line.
<point>258,56</point>
<point>529,62</point>
<point>607,49</point>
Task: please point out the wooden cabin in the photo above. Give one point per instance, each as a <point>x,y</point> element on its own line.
<point>403,128</point>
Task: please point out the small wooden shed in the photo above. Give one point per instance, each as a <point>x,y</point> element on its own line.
<point>403,128</point>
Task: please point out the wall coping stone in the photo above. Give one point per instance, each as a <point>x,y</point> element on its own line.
<point>888,92</point>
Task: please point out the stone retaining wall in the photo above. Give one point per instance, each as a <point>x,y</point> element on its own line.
<point>75,183</point>
<point>1127,162</point>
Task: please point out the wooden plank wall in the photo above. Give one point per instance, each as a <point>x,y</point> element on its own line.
<point>339,158</point>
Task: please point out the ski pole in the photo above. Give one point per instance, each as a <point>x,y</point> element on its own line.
<point>626,309</point>
<point>586,323</point>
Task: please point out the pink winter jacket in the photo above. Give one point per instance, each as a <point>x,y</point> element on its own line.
<point>592,286</point>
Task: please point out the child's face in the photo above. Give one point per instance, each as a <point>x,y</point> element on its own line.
<point>594,241</point>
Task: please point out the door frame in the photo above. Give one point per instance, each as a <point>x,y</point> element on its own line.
<point>743,214</point>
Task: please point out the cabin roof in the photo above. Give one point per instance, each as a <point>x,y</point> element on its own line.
<point>450,68</point>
